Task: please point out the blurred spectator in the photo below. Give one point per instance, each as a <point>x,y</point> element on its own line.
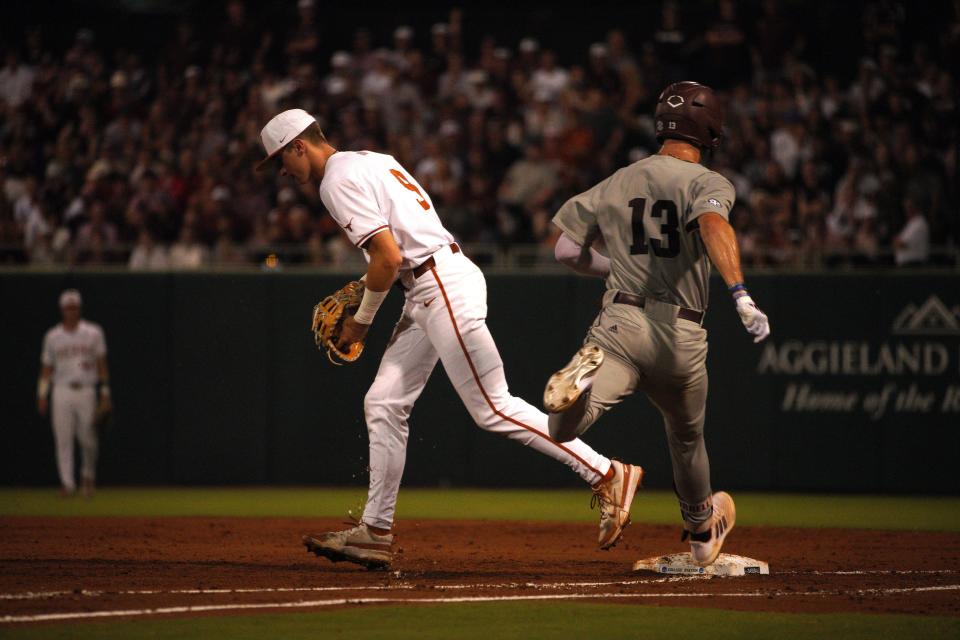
<point>528,184</point>
<point>549,80</point>
<point>912,244</point>
<point>304,41</point>
<point>727,55</point>
<point>97,231</point>
<point>187,252</point>
<point>147,255</point>
<point>111,154</point>
<point>16,80</point>
<point>671,42</point>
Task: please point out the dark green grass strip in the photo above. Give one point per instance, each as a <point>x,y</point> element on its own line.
<point>508,621</point>
<point>656,507</point>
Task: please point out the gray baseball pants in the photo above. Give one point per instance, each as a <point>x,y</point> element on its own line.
<point>653,351</point>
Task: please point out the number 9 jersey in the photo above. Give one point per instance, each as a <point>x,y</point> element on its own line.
<point>647,214</point>
<point>368,193</point>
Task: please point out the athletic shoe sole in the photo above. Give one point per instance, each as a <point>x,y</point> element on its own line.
<point>369,558</point>
<point>565,386</point>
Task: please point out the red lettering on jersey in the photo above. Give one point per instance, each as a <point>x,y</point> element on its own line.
<point>402,179</point>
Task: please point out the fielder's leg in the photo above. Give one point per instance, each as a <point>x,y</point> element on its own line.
<point>458,330</point>
<point>404,370</point>
<point>64,425</point>
<point>87,437</point>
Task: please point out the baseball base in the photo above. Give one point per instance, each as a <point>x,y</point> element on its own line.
<point>682,564</point>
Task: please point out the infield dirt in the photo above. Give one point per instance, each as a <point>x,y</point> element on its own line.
<point>73,565</point>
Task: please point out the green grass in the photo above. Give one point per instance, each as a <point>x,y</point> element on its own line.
<point>657,507</point>
<point>507,621</point>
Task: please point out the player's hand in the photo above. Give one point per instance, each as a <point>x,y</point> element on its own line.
<point>351,331</point>
<point>42,406</point>
<point>754,321</point>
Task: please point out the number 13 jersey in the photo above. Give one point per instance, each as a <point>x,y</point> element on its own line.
<point>368,193</point>
<point>647,215</point>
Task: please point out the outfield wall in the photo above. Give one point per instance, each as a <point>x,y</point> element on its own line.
<point>216,381</point>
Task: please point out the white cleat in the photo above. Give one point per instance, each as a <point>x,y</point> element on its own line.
<point>615,497</point>
<point>358,545</point>
<point>567,385</point>
<point>707,540</point>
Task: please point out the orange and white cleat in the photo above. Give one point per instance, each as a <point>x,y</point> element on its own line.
<point>615,497</point>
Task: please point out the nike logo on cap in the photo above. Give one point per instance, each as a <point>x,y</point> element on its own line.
<point>283,138</point>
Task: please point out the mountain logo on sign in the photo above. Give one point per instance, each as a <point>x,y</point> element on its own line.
<point>931,318</point>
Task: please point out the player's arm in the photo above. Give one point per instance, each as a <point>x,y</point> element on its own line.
<point>577,220</point>
<point>720,241</point>
<point>583,259</point>
<point>385,261</point>
<point>43,388</point>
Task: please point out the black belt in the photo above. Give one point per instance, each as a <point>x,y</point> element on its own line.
<point>623,297</point>
<point>430,263</point>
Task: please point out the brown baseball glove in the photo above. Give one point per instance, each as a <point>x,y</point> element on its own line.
<point>328,317</point>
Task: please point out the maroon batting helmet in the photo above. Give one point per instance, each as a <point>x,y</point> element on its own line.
<point>691,112</point>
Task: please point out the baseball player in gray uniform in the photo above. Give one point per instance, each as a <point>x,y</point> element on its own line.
<point>663,220</point>
<point>74,362</point>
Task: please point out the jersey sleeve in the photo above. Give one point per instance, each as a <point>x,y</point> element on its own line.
<point>46,351</point>
<point>353,205</point>
<point>578,216</point>
<point>99,343</point>
<point>712,193</point>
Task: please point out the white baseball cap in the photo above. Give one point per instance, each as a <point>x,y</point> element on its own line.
<point>70,297</point>
<point>281,129</point>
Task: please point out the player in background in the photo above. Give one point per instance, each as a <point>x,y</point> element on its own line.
<point>385,212</point>
<point>74,363</point>
<point>663,219</point>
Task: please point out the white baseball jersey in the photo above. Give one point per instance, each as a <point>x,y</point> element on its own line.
<point>73,354</point>
<point>368,193</point>
<point>444,319</point>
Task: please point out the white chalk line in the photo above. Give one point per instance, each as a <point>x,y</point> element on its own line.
<point>303,604</point>
<point>42,595</point>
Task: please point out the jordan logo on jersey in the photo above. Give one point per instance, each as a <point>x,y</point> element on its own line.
<point>349,225</point>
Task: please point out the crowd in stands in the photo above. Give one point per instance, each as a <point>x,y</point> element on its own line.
<point>144,158</point>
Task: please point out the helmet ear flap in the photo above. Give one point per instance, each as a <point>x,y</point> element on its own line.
<point>716,137</point>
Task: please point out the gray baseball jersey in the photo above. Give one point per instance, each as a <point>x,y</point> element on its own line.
<point>646,213</point>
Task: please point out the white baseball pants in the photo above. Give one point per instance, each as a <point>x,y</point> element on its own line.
<point>444,318</point>
<point>72,416</point>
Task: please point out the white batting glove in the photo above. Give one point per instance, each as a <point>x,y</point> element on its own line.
<point>754,321</point>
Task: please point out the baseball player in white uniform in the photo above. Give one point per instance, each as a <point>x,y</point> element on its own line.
<point>74,363</point>
<point>385,212</point>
